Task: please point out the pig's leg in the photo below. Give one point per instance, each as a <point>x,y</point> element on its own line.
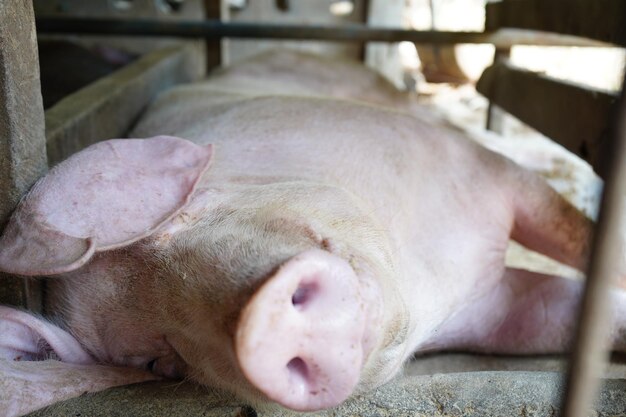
<point>26,386</point>
<point>526,312</point>
<point>545,222</point>
<point>29,376</point>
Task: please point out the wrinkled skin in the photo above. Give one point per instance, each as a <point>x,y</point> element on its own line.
<point>327,241</point>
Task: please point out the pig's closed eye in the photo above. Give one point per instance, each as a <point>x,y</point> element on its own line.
<point>150,366</point>
<point>169,366</point>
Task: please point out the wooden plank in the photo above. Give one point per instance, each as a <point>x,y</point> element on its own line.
<point>107,108</point>
<point>604,20</point>
<point>572,115</point>
<point>22,140</point>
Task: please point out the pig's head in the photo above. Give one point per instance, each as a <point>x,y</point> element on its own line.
<point>289,272</point>
<point>270,290</point>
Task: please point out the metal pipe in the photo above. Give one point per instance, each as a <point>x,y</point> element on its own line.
<point>503,38</point>
<point>591,342</point>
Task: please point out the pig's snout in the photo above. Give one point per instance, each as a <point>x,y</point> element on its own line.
<point>300,337</point>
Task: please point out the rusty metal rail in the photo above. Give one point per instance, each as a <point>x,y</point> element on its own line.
<point>502,38</point>
<point>591,344</point>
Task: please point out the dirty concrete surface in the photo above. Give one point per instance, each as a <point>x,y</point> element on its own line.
<point>460,385</point>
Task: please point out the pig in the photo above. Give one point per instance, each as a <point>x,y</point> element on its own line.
<point>290,230</point>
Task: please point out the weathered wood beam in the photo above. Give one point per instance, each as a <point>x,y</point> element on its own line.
<point>604,20</point>
<point>107,108</point>
<point>572,115</point>
<point>22,140</point>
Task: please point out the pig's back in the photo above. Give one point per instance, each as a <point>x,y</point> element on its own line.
<point>387,158</point>
<point>319,139</point>
<point>288,72</point>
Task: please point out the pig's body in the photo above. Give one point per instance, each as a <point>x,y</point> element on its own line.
<point>398,226</point>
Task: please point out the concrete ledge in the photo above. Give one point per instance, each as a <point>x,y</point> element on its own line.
<point>494,393</point>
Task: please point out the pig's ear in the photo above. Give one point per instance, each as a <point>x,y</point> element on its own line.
<point>31,381</point>
<point>107,196</point>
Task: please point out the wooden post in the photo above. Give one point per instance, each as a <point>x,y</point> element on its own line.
<point>22,138</point>
<point>213,10</point>
<point>495,115</point>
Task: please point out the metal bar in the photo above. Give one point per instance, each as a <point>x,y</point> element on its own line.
<point>590,350</point>
<point>503,38</point>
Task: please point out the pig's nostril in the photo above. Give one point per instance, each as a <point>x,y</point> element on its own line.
<point>303,294</point>
<point>298,371</point>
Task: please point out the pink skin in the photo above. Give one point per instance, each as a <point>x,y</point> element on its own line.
<point>327,242</point>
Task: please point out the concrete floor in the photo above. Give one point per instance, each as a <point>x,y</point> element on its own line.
<point>437,385</point>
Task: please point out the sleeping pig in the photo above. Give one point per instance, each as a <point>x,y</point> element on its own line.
<point>291,230</point>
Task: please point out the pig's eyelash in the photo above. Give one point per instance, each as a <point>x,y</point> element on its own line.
<point>180,383</point>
